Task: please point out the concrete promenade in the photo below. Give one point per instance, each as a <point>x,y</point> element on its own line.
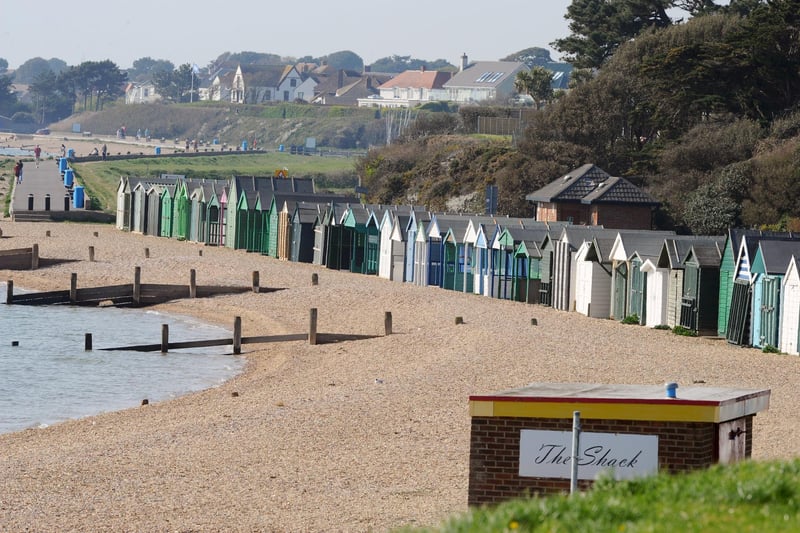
<point>42,189</point>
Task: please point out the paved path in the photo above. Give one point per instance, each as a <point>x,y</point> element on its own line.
<point>39,182</point>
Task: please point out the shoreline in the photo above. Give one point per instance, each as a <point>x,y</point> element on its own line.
<point>351,436</point>
<point>32,409</point>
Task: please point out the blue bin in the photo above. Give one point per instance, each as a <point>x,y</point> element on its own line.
<point>77,197</point>
<point>215,141</point>
<point>158,150</point>
<point>68,177</point>
<point>70,154</point>
<point>280,148</point>
<point>62,164</point>
<point>244,146</point>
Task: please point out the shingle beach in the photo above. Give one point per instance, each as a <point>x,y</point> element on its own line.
<point>365,435</point>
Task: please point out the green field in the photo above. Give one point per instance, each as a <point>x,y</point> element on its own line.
<point>100,178</point>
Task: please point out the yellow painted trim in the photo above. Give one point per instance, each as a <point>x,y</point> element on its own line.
<point>678,412</point>
<point>481,408</point>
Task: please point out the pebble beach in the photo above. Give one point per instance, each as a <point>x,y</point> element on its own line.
<point>365,435</point>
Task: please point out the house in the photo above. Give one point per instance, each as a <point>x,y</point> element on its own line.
<point>482,81</point>
<point>257,84</point>
<point>219,88</point>
<point>345,87</point>
<point>409,89</point>
<point>141,93</point>
<point>588,195</point>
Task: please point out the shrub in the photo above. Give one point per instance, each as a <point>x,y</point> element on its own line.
<point>631,319</point>
<point>686,332</point>
<point>770,349</point>
<point>661,326</point>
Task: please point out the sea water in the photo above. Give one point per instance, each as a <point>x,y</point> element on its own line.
<point>46,375</point>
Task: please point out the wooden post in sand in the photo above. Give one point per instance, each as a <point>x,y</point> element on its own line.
<point>237,335</point>
<point>312,327</point>
<point>9,292</point>
<point>87,342</point>
<point>73,288</point>
<point>459,320</point>
<point>192,283</point>
<point>34,257</point>
<point>314,279</point>
<point>387,323</point>
<point>255,281</point>
<point>164,338</point>
<point>147,253</point>
<point>137,285</point>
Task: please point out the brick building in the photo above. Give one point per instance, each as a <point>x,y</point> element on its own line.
<point>588,195</point>
<point>520,441</point>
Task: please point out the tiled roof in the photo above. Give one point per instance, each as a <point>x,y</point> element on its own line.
<point>486,74</point>
<point>427,79</point>
<point>590,184</point>
<point>263,75</point>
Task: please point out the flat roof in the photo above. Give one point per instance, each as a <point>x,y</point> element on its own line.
<point>621,402</point>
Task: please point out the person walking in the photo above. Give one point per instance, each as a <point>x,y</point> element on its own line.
<point>104,152</point>
<point>18,171</point>
<point>37,153</point>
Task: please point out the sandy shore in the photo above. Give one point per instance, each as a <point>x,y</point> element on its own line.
<point>311,441</point>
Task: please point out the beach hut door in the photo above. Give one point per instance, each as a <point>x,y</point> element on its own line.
<point>769,311</point>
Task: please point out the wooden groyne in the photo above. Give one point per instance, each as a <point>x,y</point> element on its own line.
<point>237,340</point>
<point>20,258</point>
<point>136,294</point>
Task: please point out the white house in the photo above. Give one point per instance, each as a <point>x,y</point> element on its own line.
<point>141,93</point>
<point>483,80</point>
<point>256,84</point>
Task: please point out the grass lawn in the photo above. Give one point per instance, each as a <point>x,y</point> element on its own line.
<point>748,496</point>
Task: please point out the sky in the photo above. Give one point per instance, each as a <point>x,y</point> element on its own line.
<point>198,32</point>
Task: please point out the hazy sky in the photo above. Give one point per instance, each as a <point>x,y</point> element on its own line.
<point>189,32</point>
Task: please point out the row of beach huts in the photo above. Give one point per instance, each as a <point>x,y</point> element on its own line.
<point>743,286</point>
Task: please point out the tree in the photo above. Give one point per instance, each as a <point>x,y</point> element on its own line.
<point>599,27</point>
<point>176,85</point>
<point>531,57</point>
<point>29,70</point>
<point>52,97</point>
<point>3,65</point>
<point>344,60</point>
<point>402,63</point>
<point>8,98</point>
<point>144,68</point>
<point>536,83</point>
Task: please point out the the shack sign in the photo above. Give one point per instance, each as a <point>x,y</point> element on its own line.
<point>548,454</point>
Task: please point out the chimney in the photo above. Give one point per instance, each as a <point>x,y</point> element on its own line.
<point>464,62</point>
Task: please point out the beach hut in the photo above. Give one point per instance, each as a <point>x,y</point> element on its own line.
<point>321,236</point>
<point>338,248</point>
<point>124,189</point>
<point>398,246</point>
<point>525,282</point>
<point>700,299</point>
<point>455,260</point>
<point>167,196</point>
<point>304,219</point>
<point>415,217</point>
<point>138,202</point>
<point>768,268</point>
<point>790,309</point>
<point>563,263</point>
<point>593,277</point>
<point>216,214</point>
<point>182,211</point>
<point>362,239</point>
<point>386,228</point>
<point>740,314</point>
<point>629,282</point>
<point>154,194</point>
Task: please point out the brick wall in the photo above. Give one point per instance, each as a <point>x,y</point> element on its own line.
<point>494,452</point>
<point>622,217</point>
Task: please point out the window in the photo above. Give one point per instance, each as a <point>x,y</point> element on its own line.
<point>293,82</point>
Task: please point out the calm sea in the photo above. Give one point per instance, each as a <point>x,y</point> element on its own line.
<point>49,377</point>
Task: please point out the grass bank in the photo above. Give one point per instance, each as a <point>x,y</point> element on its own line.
<point>102,177</point>
<point>749,496</point>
